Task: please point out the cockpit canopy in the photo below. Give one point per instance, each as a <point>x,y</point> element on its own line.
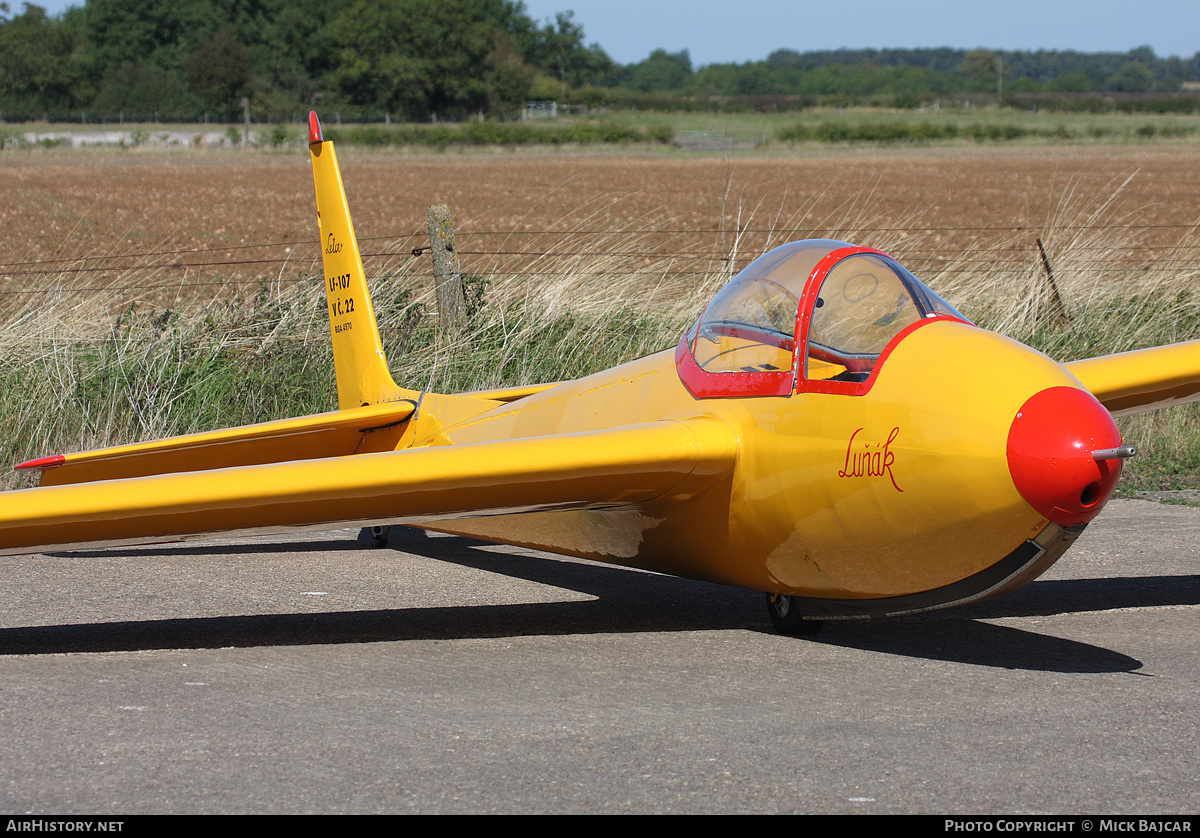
<point>817,311</point>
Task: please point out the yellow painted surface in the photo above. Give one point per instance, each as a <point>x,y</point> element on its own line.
<point>362,373</point>
<point>1143,380</point>
<point>608,467</point>
<point>308,437</point>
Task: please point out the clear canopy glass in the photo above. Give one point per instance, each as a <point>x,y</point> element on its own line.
<point>864,300</point>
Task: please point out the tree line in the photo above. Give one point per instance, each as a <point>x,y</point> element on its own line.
<point>429,60</point>
<point>915,72</point>
<point>180,59</point>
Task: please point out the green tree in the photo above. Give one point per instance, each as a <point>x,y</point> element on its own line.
<point>1133,77</point>
<point>986,69</point>
<point>1173,73</point>
<point>419,57</point>
<point>158,32</point>
<point>661,72</point>
<point>1076,82</point>
<point>271,50</point>
<point>142,92</point>
<point>44,64</point>
<point>220,71</point>
<point>288,51</point>
<point>558,50</point>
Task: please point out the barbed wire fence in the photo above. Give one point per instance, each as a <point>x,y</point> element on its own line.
<point>1013,276</point>
<point>690,252</point>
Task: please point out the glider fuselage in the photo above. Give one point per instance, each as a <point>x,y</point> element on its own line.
<point>898,491</point>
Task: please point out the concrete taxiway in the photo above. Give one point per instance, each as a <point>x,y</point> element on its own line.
<point>308,674</point>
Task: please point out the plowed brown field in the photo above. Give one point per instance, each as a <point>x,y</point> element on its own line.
<point>207,215</point>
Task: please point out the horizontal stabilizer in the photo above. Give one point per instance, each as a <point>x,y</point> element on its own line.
<point>622,466</point>
<point>331,434</point>
<point>1144,379</point>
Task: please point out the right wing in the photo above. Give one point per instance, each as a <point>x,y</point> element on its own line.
<point>622,466</point>
<point>1144,379</point>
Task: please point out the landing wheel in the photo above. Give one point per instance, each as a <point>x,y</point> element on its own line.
<point>786,616</point>
<point>373,536</point>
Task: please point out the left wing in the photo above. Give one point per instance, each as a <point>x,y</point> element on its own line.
<point>621,466</point>
<point>1144,379</point>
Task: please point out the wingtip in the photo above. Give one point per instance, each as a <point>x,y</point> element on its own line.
<point>41,463</point>
<point>315,136</point>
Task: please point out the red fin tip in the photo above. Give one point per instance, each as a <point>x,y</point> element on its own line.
<point>42,462</point>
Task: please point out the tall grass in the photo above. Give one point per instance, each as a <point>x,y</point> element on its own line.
<point>85,370</point>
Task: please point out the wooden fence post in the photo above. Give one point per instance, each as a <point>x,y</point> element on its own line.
<point>1060,307</point>
<point>451,301</point>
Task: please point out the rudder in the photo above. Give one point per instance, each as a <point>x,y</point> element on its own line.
<point>363,377</point>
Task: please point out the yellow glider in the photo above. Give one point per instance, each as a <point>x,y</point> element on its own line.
<point>830,431</point>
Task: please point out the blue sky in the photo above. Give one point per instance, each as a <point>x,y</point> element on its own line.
<point>749,30</point>
<point>721,30</point>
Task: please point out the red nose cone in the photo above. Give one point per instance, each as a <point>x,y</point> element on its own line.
<point>1050,447</point>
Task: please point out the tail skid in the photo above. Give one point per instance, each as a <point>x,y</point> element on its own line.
<point>361,367</point>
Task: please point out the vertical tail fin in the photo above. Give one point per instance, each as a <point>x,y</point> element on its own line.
<point>362,372</point>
